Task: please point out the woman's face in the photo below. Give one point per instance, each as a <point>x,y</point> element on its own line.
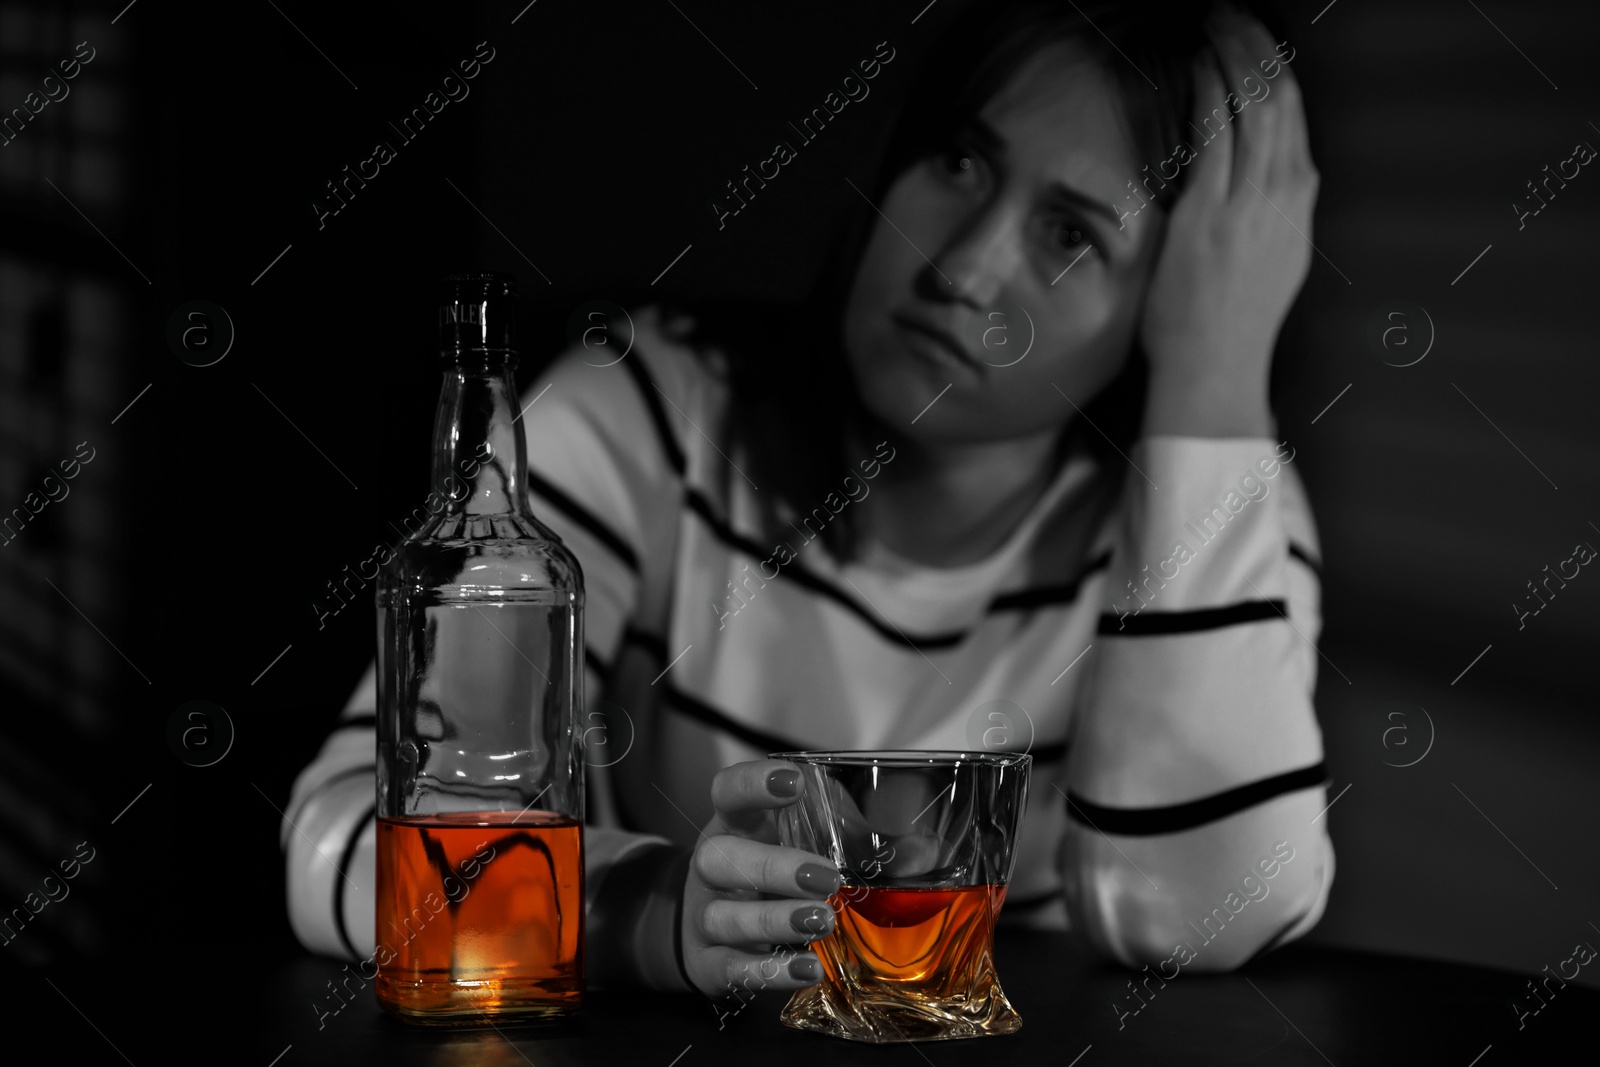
<point>996,278</point>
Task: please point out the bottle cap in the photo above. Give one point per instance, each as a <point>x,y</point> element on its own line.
<point>477,312</point>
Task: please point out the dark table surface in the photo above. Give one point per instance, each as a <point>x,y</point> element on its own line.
<point>1297,1005</point>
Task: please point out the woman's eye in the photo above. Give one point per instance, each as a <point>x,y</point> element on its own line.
<point>955,163</point>
<point>1070,237</point>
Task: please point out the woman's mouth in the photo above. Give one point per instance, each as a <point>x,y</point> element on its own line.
<point>934,344</point>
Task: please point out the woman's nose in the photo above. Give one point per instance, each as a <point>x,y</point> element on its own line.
<point>976,260</point>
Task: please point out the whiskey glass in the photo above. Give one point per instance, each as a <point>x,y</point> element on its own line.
<point>925,844</point>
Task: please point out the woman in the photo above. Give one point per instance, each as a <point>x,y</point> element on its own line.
<point>1016,456</point>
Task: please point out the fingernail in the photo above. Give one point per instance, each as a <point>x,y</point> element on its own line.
<point>815,878</point>
<point>784,783</point>
<point>813,921</point>
<point>805,968</point>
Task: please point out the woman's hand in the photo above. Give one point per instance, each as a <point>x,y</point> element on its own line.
<point>746,894</point>
<point>1236,250</point>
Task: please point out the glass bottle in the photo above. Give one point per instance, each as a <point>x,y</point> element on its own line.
<point>480,903</point>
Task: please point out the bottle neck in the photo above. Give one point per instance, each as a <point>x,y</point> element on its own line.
<point>479,459</point>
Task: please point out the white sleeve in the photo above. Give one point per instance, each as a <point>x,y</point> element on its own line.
<point>1196,765</point>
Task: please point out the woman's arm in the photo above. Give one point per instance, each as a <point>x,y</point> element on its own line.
<point>1195,813</point>
<point>1196,789</point>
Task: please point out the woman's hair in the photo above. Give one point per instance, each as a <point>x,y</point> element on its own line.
<point>794,398</point>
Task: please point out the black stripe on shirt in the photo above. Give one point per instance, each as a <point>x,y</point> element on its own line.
<point>805,578</point>
<point>1056,750</point>
<point>1151,623</point>
<point>585,518</point>
<point>339,882</point>
<point>1301,554</point>
<point>1172,818</point>
<point>707,715</point>
<point>1019,599</point>
<point>698,504</point>
<point>1016,600</point>
<point>658,415</point>
<point>1064,593</point>
<point>652,644</point>
<point>631,635</point>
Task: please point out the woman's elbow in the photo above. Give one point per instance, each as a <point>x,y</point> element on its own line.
<point>331,905</point>
<point>1210,927</point>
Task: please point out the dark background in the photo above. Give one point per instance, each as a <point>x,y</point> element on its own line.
<point>218,505</point>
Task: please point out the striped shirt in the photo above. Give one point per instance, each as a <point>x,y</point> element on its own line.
<point>1146,632</point>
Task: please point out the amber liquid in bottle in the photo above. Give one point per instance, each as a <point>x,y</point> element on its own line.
<point>908,964</point>
<point>483,913</point>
